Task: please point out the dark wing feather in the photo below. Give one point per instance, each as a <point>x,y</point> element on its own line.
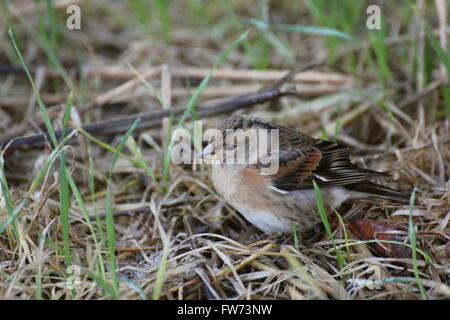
<point>336,168</point>
<point>379,191</point>
<point>304,159</point>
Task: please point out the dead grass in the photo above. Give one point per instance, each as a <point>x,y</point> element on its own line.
<point>171,242</point>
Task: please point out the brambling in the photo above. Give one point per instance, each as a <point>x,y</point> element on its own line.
<point>273,202</point>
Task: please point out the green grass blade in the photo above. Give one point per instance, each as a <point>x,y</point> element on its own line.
<point>164,18</point>
<point>193,101</point>
<point>136,288</point>
<point>64,195</point>
<point>136,151</point>
<point>52,22</point>
<point>64,199</point>
<point>377,38</point>
<point>110,229</point>
<point>43,234</point>
<point>36,92</point>
<point>296,238</point>
<point>140,10</point>
<point>35,184</point>
<point>9,205</point>
<point>63,187</point>
<point>317,30</point>
<point>209,196</point>
<point>446,96</point>
<point>271,38</point>
<point>52,57</point>
<point>326,223</point>
<point>84,212</point>
<point>443,56</point>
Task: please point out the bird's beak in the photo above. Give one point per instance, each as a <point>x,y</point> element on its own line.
<point>206,153</point>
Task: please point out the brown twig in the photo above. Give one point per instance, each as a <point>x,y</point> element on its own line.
<point>314,82</point>
<point>99,101</point>
<point>153,119</point>
<point>229,74</point>
<point>212,92</point>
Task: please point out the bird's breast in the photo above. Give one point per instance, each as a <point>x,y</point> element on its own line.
<point>249,194</point>
<point>237,186</point>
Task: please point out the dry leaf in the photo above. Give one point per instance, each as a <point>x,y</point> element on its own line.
<point>368,229</point>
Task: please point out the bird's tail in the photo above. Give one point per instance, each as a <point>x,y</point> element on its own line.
<point>378,191</point>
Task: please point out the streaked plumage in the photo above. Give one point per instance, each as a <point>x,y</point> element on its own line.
<point>272,203</point>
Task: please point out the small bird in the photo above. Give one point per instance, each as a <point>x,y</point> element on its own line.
<point>274,202</point>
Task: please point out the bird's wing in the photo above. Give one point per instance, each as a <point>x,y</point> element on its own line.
<point>303,159</point>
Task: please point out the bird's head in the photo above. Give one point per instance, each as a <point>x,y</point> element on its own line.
<point>240,141</point>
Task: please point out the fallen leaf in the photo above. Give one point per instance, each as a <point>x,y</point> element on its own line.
<point>368,229</point>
